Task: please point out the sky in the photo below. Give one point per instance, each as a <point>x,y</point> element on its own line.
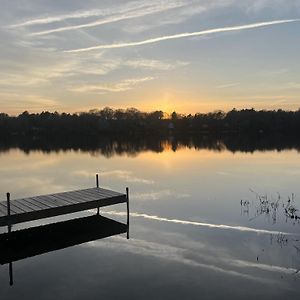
<point>186,56</point>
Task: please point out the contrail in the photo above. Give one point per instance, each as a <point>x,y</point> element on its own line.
<point>114,18</point>
<point>131,6</point>
<point>209,225</point>
<point>183,35</point>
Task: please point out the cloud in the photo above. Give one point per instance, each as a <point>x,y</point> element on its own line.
<point>154,64</point>
<point>210,259</point>
<point>228,85</point>
<point>31,74</point>
<point>184,35</point>
<point>158,195</point>
<point>121,86</point>
<point>131,6</point>
<point>274,72</point>
<point>21,101</point>
<point>182,15</point>
<point>169,253</point>
<point>126,176</point>
<point>176,254</point>
<point>293,85</point>
<point>109,16</point>
<point>107,65</point>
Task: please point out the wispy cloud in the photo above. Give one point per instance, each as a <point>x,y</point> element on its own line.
<point>126,176</point>
<point>177,254</point>
<point>19,101</point>
<point>108,65</point>
<point>184,35</point>
<point>210,259</point>
<point>121,86</point>
<point>35,75</point>
<point>293,85</point>
<point>108,16</point>
<point>228,85</point>
<point>152,64</point>
<point>159,195</point>
<point>121,174</point>
<point>182,15</point>
<point>274,72</point>
<point>132,6</point>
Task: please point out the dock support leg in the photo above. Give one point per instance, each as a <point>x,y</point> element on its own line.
<point>127,201</point>
<point>11,276</point>
<point>97,180</point>
<point>97,185</point>
<point>8,212</point>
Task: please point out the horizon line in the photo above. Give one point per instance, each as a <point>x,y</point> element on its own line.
<point>151,111</point>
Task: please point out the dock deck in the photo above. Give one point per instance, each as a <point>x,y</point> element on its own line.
<point>39,207</point>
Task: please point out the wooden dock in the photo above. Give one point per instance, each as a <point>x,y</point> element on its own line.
<point>39,207</point>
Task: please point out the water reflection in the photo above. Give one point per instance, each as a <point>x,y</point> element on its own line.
<point>34,241</point>
<point>132,146</point>
<point>188,237</point>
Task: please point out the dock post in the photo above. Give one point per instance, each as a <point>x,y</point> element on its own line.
<point>97,180</point>
<point>127,201</point>
<point>8,212</point>
<point>11,276</point>
<point>97,185</point>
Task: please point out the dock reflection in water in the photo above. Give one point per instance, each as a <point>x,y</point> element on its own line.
<point>34,241</point>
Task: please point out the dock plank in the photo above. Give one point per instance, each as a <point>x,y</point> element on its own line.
<point>72,198</point>
<point>82,195</point>
<point>13,210</point>
<point>101,191</point>
<point>3,210</point>
<point>52,202</point>
<point>39,200</point>
<point>64,199</point>
<point>15,204</point>
<point>97,194</point>
<point>77,195</point>
<point>23,205</point>
<point>34,204</point>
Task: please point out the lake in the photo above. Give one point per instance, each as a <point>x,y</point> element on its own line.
<point>205,223</point>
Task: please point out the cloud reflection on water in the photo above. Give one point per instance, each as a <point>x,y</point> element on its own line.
<point>187,222</point>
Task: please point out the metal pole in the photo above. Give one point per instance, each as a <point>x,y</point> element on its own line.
<point>11,275</point>
<point>127,200</point>
<point>97,185</point>
<point>8,212</point>
<point>97,180</point>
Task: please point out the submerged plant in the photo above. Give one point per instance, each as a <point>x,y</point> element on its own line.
<point>290,210</point>
<point>270,206</point>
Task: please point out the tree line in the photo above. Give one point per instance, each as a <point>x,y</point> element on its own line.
<point>131,122</point>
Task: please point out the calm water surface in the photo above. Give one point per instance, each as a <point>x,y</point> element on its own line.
<point>189,236</point>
